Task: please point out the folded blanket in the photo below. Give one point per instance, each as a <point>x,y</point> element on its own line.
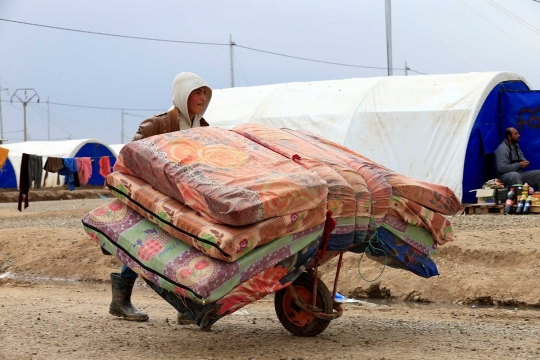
<point>175,266</point>
<point>224,242</point>
<point>223,175</point>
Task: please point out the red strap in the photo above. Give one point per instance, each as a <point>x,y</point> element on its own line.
<point>329,226</point>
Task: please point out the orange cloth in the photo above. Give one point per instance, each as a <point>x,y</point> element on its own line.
<point>3,156</point>
<point>104,166</point>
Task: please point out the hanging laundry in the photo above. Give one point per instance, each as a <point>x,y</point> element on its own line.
<point>3,156</point>
<point>104,167</point>
<point>85,169</point>
<point>35,171</point>
<point>24,184</point>
<point>53,164</point>
<point>69,170</point>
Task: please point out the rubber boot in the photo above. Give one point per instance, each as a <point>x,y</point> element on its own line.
<point>121,299</point>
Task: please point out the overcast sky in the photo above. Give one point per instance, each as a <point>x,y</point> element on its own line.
<point>433,36</point>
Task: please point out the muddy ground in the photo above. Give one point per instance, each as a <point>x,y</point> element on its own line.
<point>483,305</point>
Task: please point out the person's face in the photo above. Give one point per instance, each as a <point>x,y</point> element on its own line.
<point>514,137</point>
<point>196,101</point>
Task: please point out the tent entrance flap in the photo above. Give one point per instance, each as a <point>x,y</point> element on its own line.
<point>486,134</point>
<point>521,110</point>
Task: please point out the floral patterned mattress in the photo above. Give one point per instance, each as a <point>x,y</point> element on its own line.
<point>177,267</point>
<point>224,176</point>
<point>224,242</point>
<point>377,190</point>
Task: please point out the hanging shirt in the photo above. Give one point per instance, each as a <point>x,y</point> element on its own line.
<point>85,169</point>
<point>23,182</point>
<point>35,170</point>
<point>104,166</point>
<point>69,170</point>
<point>53,164</point>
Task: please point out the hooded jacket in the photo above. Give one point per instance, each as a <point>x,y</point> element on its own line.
<point>177,118</point>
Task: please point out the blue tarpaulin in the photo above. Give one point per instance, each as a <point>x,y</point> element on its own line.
<point>488,132</point>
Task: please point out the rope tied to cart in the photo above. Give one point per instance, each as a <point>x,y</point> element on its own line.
<point>372,249</point>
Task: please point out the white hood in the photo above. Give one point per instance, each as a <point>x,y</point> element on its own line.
<point>183,84</point>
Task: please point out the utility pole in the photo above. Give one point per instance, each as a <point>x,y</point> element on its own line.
<point>122,128</point>
<point>48,120</point>
<point>231,52</point>
<point>2,126</point>
<point>25,102</point>
<point>406,68</point>
<point>388,13</point>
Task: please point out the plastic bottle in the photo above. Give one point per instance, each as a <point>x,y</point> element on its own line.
<point>509,201</point>
<point>527,206</point>
<point>521,205</point>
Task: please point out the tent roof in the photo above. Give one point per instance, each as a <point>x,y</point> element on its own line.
<point>62,149</point>
<point>416,125</point>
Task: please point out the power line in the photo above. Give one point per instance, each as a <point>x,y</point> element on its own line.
<point>483,17</point>
<point>513,16</point>
<point>141,116</point>
<point>426,15</point>
<point>95,107</point>
<point>312,60</point>
<point>203,43</point>
<point>113,35</point>
<point>102,107</point>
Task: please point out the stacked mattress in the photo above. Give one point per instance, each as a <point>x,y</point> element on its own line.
<point>214,219</point>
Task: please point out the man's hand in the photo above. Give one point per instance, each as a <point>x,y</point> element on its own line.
<point>523,164</point>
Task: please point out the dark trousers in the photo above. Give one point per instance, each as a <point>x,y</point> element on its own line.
<point>521,177</point>
<point>128,273</point>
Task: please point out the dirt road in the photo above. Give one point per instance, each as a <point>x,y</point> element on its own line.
<point>493,261</point>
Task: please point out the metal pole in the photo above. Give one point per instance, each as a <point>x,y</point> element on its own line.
<point>24,106</point>
<point>48,120</point>
<point>1,122</point>
<point>406,68</point>
<point>231,52</point>
<point>25,102</point>
<point>122,128</point>
<point>388,13</point>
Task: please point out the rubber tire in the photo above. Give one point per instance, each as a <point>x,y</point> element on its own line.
<point>324,302</point>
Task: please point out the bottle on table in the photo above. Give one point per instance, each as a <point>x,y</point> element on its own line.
<point>528,204</point>
<point>521,205</point>
<point>510,197</point>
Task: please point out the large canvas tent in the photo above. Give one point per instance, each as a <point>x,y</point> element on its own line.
<point>95,149</point>
<point>437,128</point>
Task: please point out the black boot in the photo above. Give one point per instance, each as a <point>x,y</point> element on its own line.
<point>121,299</point>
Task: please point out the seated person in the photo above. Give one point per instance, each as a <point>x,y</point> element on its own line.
<point>511,162</point>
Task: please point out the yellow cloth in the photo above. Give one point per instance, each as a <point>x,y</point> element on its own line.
<point>3,156</point>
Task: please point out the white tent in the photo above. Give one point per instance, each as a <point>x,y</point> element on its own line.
<point>62,149</point>
<point>416,125</point>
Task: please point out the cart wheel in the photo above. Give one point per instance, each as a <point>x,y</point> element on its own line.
<point>297,321</point>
